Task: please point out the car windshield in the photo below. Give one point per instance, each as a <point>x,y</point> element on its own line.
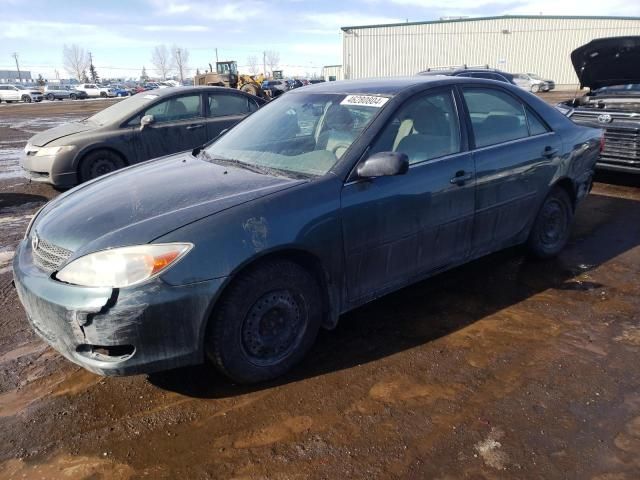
<point>299,133</point>
<point>630,88</point>
<point>121,110</point>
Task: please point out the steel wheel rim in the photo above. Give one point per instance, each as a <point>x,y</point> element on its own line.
<point>102,166</point>
<point>273,327</point>
<point>554,222</point>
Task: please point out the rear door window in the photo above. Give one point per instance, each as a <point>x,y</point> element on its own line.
<point>224,104</point>
<point>496,116</point>
<point>536,125</point>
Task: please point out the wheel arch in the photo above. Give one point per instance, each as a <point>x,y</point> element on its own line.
<point>569,187</point>
<point>300,256</point>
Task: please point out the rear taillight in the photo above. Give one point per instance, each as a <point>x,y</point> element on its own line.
<point>602,143</point>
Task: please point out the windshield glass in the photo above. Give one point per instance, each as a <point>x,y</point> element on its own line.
<point>299,133</point>
<point>630,88</point>
<point>122,110</point>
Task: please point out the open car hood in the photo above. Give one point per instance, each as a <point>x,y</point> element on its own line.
<point>605,62</point>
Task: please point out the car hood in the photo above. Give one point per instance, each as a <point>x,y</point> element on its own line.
<point>43,138</point>
<point>607,61</point>
<point>141,203</point>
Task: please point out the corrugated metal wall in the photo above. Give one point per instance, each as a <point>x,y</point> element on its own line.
<point>332,71</point>
<point>536,45</point>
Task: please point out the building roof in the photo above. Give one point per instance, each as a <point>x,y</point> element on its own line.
<point>499,17</point>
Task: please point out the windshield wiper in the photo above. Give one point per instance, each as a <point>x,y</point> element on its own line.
<point>236,163</point>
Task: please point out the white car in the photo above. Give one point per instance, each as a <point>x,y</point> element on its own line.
<point>94,91</point>
<point>533,83</point>
<point>18,93</point>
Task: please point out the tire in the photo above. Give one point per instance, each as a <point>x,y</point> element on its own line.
<point>51,97</point>
<point>103,95</point>
<point>98,163</point>
<point>250,88</point>
<point>26,99</point>
<point>552,226</point>
<point>280,296</point>
<point>73,96</point>
<point>535,88</point>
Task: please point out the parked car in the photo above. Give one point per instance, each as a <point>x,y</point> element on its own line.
<point>317,203</point>
<point>56,92</point>
<point>95,91</point>
<point>75,94</point>
<point>533,83</point>
<point>19,93</point>
<point>488,73</point>
<point>609,68</point>
<point>138,128</point>
<point>275,87</point>
<point>119,91</point>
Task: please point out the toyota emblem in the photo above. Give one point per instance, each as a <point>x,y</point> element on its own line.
<point>35,241</point>
<point>605,118</point>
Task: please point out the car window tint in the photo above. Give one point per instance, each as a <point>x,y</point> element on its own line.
<point>221,105</point>
<point>423,128</point>
<point>253,106</point>
<point>496,116</point>
<point>176,108</point>
<point>536,126</point>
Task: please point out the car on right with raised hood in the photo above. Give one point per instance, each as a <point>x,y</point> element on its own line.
<point>610,68</point>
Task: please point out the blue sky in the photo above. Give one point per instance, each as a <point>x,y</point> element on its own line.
<point>121,34</point>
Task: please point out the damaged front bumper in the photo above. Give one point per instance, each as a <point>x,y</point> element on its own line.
<point>108,331</point>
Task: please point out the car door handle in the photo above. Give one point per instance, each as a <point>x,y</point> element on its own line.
<point>461,177</point>
<point>193,127</point>
<point>549,152</point>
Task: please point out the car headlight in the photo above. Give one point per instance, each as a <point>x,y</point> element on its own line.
<point>123,267</point>
<point>50,151</point>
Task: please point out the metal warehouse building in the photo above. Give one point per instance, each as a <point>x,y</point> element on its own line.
<point>514,43</point>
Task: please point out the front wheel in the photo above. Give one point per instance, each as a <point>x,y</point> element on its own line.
<point>51,97</point>
<point>99,163</point>
<point>103,95</point>
<point>265,323</point>
<point>26,99</point>
<point>535,88</point>
<point>552,225</point>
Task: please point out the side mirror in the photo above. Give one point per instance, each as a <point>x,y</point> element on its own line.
<point>384,164</point>
<point>146,121</point>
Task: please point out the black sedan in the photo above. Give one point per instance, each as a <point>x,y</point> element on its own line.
<point>142,127</point>
<point>321,201</point>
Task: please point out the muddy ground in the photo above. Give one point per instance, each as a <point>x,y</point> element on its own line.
<point>504,368</point>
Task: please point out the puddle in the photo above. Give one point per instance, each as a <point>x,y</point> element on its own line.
<point>10,163</point>
<point>66,466</point>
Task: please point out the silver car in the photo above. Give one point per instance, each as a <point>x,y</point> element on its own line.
<point>56,92</point>
<point>533,83</point>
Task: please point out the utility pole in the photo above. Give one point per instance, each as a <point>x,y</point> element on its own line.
<point>216,54</point>
<point>15,55</point>
<point>264,63</point>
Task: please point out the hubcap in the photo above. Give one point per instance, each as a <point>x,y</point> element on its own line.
<point>102,166</point>
<point>272,328</point>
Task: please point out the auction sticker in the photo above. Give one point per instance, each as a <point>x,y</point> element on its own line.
<point>364,100</point>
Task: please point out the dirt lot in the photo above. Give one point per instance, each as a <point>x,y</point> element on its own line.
<point>504,368</point>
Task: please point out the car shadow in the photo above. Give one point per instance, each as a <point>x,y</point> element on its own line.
<point>11,200</point>
<point>445,303</point>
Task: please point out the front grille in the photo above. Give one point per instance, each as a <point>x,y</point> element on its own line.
<point>49,257</point>
<point>621,145</point>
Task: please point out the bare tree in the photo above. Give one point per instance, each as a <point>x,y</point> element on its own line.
<point>252,64</point>
<point>75,60</point>
<point>180,58</point>
<point>161,60</point>
<point>272,59</point>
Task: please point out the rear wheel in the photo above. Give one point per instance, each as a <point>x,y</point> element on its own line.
<point>552,225</point>
<point>103,94</point>
<point>73,96</point>
<point>98,163</point>
<point>265,323</point>
<point>51,97</point>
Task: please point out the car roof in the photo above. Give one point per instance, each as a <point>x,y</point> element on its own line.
<point>384,86</point>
